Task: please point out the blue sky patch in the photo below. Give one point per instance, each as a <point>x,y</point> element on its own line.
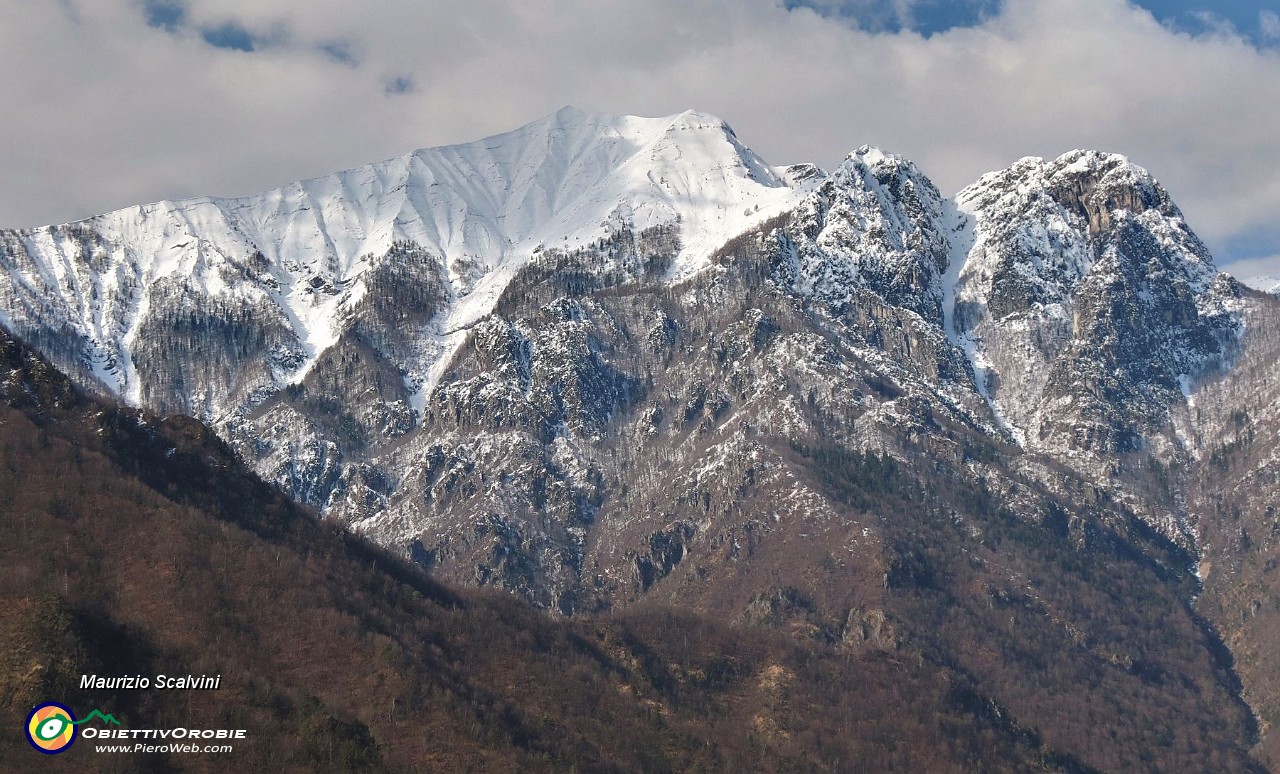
<point>926,17</point>
<point>1256,21</point>
<point>230,36</point>
<point>171,16</point>
<point>167,15</point>
<point>1248,19</point>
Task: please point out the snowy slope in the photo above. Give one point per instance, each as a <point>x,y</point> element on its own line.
<point>482,208</point>
<point>1264,283</point>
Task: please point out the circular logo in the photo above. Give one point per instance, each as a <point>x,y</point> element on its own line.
<point>50,727</point>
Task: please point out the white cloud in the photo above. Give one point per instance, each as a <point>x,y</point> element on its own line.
<point>1255,267</point>
<point>1269,24</point>
<point>105,111</point>
<point>1214,23</point>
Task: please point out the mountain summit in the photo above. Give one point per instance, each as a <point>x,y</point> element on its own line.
<point>299,260</point>
<point>1089,299</point>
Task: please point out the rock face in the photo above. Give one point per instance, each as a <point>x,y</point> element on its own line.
<point>877,223</point>
<point>603,359</point>
<point>1089,300</point>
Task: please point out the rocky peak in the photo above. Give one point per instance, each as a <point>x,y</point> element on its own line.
<point>1089,298</point>
<point>875,224</point>
<point>1093,185</point>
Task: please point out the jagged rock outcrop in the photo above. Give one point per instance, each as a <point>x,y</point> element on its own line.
<point>876,223</point>
<point>1089,302</point>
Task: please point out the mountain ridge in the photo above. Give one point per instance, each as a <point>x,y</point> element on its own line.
<point>872,416</point>
<point>291,279</point>
<point>482,208</point>
<point>399,259</point>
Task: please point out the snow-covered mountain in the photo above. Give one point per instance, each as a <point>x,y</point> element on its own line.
<point>1264,283</point>
<point>322,327</point>
<point>603,358</point>
<point>1088,300</point>
<point>1062,305</point>
<point>296,263</point>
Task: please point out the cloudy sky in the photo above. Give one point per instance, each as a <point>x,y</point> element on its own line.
<point>107,103</point>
